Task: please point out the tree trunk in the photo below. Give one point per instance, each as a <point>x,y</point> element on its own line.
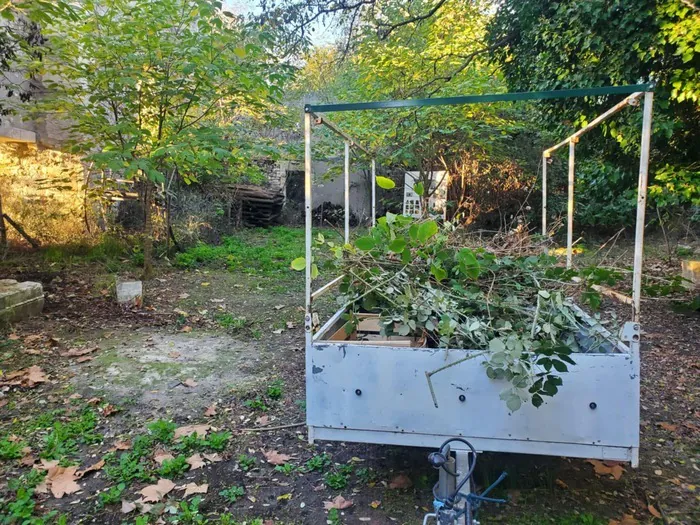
<point>148,201</point>
<point>3,230</point>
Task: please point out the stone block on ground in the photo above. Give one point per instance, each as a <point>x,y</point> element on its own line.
<point>20,300</point>
<point>129,292</point>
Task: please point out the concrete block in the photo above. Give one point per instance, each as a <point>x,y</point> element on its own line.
<point>19,301</point>
<point>129,292</point>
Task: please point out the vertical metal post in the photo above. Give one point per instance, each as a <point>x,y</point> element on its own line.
<point>374,192</point>
<point>570,208</point>
<point>308,317</point>
<point>641,205</point>
<point>347,192</point>
<point>545,156</point>
<point>307,209</point>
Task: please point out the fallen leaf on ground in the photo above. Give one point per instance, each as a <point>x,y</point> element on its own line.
<point>214,458</point>
<point>128,506</point>
<point>47,465</point>
<point>190,382</point>
<point>174,355</point>
<point>193,488</point>
<point>375,504</point>
<point>92,468</point>
<point>561,483</point>
<point>26,377</point>
<point>160,456</point>
<point>290,325</point>
<point>275,458</point>
<point>277,332</point>
<point>279,307</point>
<point>603,468</point>
<point>652,510</point>
<point>627,519</point>
<point>339,502</point>
<point>155,493</point>
<point>108,410</point>
<point>94,401</point>
<point>283,497</point>
<point>77,352</point>
<point>667,426</point>
<point>61,481</point>
<point>210,411</point>
<point>186,329</point>
<point>183,295</point>
<point>122,445</point>
<point>402,481</point>
<point>84,359</point>
<point>195,461</point>
<point>262,421</point>
<point>200,430</point>
<point>13,337</point>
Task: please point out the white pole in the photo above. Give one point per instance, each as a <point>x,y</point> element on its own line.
<point>307,208</point>
<point>544,194</point>
<point>374,192</point>
<point>641,204</point>
<point>347,192</point>
<point>570,208</point>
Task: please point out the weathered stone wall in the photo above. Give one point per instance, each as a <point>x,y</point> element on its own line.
<point>43,190</point>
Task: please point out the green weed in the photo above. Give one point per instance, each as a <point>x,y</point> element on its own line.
<point>64,438</point>
<point>11,449</point>
<point>188,513</point>
<point>275,390</point>
<point>232,493</point>
<point>336,480</point>
<point>230,322</point>
<point>127,467</point>
<point>318,463</point>
<point>162,430</point>
<point>174,468</point>
<point>366,475</point>
<point>112,495</point>
<point>334,517</point>
<point>246,462</point>
<point>257,404</point>
<point>287,469</point>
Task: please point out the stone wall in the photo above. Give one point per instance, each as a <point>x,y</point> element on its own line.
<point>43,190</point>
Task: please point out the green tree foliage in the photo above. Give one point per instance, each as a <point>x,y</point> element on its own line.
<point>441,55</point>
<point>165,88</point>
<point>565,44</point>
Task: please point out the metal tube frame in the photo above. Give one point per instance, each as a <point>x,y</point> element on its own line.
<point>631,100</point>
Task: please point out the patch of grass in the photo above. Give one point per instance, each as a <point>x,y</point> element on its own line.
<point>215,441</point>
<point>11,449</point>
<point>573,519</point>
<point>174,468</point>
<point>63,439</point>
<point>127,467</point>
<point>112,495</point>
<point>228,321</point>
<point>162,430</point>
<point>267,252</point>
<point>246,462</point>
<point>318,463</point>
<point>275,390</point>
<point>232,493</point>
<point>22,507</point>
<point>336,480</point>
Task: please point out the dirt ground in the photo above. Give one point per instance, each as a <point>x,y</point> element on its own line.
<point>225,349</point>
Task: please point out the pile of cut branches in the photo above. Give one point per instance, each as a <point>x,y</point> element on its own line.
<point>512,309</point>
